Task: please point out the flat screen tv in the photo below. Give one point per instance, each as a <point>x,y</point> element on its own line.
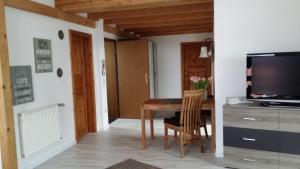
<point>274,77</point>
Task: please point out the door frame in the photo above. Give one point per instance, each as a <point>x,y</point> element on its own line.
<point>7,127</point>
<point>91,115</point>
<point>207,43</point>
<point>117,78</point>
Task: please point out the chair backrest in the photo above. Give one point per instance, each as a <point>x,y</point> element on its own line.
<point>191,112</point>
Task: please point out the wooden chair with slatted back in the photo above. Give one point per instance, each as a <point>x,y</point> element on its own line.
<point>203,114</point>
<point>188,125</point>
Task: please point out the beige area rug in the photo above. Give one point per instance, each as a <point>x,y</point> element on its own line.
<point>132,164</point>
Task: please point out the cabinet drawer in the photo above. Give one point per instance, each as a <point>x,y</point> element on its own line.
<point>289,161</point>
<point>249,159</point>
<point>265,119</point>
<point>289,143</point>
<point>289,121</point>
<point>251,139</point>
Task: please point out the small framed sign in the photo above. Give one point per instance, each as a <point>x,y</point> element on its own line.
<point>42,55</point>
<point>22,88</point>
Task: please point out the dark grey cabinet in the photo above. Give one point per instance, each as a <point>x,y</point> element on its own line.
<point>261,137</point>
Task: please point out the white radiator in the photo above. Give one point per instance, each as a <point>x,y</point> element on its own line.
<point>39,128</point>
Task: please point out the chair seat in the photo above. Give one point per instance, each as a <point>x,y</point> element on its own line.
<point>175,121</point>
<point>207,115</point>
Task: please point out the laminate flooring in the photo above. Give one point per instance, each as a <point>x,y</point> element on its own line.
<point>122,141</point>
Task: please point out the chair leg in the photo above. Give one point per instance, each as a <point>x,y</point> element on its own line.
<point>175,134</point>
<point>166,138</point>
<point>206,133</point>
<point>204,126</point>
<point>201,142</point>
<point>181,144</point>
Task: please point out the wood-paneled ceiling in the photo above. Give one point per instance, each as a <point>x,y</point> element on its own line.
<point>140,18</point>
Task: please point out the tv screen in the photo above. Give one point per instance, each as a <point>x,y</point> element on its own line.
<point>273,76</point>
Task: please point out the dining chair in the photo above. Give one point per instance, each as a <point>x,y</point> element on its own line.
<point>189,122</point>
<point>203,122</point>
<point>204,113</point>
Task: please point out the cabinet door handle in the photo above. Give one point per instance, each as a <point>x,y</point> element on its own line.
<point>248,160</point>
<point>249,118</point>
<point>249,139</point>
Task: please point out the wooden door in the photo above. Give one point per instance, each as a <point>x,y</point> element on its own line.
<point>133,73</point>
<point>83,83</point>
<point>192,65</point>
<point>112,79</point>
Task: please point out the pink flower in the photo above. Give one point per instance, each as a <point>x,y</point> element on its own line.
<point>195,79</point>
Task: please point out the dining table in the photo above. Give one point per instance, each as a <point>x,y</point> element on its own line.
<point>149,107</point>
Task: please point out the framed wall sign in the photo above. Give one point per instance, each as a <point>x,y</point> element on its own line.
<point>42,55</point>
<point>22,88</point>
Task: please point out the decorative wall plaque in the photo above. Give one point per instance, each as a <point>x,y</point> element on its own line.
<point>61,34</point>
<point>42,55</point>
<point>22,88</point>
<point>59,72</point>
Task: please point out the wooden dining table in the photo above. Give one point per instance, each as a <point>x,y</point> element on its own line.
<point>152,105</point>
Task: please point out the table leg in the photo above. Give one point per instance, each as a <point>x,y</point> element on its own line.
<point>151,124</point>
<point>143,127</point>
<point>213,129</point>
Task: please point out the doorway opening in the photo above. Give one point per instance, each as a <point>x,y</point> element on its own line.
<point>83,83</point>
<point>112,79</point>
<point>130,76</point>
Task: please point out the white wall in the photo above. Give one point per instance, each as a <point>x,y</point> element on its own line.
<point>22,27</point>
<point>46,2</point>
<point>169,62</point>
<point>249,26</point>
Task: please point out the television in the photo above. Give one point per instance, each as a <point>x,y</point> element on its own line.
<point>273,77</point>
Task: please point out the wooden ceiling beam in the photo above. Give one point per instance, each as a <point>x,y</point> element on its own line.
<point>45,10</point>
<point>167,23</point>
<point>119,32</point>
<point>171,28</point>
<point>160,18</point>
<point>174,32</point>
<point>79,6</point>
<point>157,11</point>
<point>141,32</point>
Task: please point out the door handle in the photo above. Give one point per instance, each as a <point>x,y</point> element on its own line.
<point>146,78</point>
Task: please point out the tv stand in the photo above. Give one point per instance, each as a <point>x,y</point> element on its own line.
<point>279,104</point>
<point>261,137</point>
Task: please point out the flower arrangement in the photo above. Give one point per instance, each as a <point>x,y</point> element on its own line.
<point>200,83</point>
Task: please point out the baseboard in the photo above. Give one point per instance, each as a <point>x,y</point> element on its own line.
<point>48,155</point>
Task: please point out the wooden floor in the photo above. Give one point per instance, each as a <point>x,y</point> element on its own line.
<point>122,141</point>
